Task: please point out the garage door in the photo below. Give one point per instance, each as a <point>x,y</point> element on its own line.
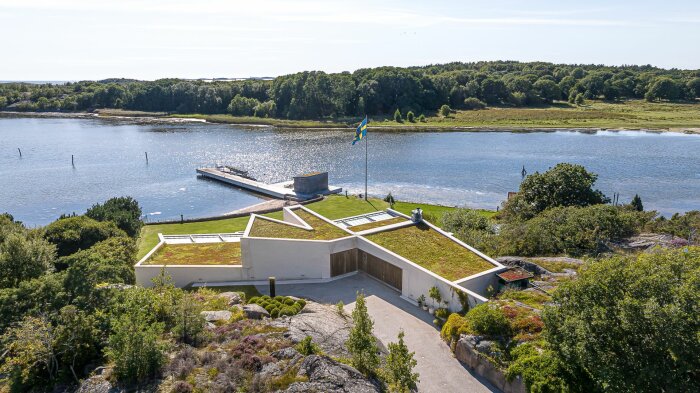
<point>343,262</point>
<point>380,269</point>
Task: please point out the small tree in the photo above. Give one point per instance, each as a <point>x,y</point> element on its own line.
<point>390,200</point>
<point>189,323</point>
<point>445,110</point>
<point>410,117</point>
<point>134,347</point>
<point>579,99</point>
<point>435,294</point>
<point>397,116</point>
<point>474,103</point>
<point>361,342</point>
<point>421,118</point>
<point>399,367</point>
<point>637,203</point>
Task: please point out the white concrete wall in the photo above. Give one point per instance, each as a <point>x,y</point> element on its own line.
<point>287,259</point>
<point>417,281</point>
<point>183,275</point>
<point>481,282</point>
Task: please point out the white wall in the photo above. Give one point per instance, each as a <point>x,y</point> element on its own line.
<point>183,275</point>
<point>416,280</point>
<point>290,259</point>
<point>480,282</point>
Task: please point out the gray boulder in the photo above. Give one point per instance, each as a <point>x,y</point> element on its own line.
<point>323,324</point>
<point>233,298</point>
<point>255,311</point>
<point>216,316</point>
<point>524,264</point>
<point>327,375</point>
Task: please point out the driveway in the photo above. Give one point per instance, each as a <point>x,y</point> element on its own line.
<point>439,371</point>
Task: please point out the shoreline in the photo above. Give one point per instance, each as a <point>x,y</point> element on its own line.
<point>283,124</point>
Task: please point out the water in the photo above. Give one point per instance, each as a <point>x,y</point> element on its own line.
<point>466,169</point>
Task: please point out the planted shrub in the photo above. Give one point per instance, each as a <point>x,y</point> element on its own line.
<point>289,301</point>
<point>279,305</point>
<point>454,327</point>
<point>274,313</point>
<point>487,320</point>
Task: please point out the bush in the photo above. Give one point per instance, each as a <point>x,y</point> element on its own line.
<point>79,233</point>
<point>473,103</point>
<point>454,327</point>
<point>242,106</point>
<point>410,117</point>
<point>445,110</point>
<point>421,118</point>
<point>181,387</point>
<point>255,299</point>
<point>397,116</point>
<point>125,212</point>
<point>274,313</point>
<point>289,301</point>
<point>488,320</point>
<point>307,347</point>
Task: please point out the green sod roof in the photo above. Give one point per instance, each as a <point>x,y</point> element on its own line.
<point>322,230</point>
<point>197,254</point>
<point>432,250</point>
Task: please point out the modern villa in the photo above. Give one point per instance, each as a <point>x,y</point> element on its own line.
<point>406,253</point>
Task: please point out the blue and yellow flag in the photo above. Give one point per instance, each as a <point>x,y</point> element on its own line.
<point>361,131</point>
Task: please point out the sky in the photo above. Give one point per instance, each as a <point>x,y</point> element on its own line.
<point>150,39</point>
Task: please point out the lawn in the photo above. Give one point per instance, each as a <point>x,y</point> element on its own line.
<point>321,229</point>
<point>433,212</point>
<point>377,224</point>
<point>149,233</point>
<point>334,207</point>
<point>197,254</point>
<point>431,250</point>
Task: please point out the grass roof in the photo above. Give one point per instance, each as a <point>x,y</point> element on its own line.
<point>322,230</point>
<point>197,254</point>
<point>377,224</point>
<point>432,250</point>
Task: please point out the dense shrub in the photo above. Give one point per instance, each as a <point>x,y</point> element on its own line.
<point>125,212</point>
<point>540,370</point>
<point>570,230</point>
<point>630,323</point>
<point>279,306</point>
<point>79,233</point>
<point>473,103</point>
<point>307,347</point>
<point>454,327</point>
<point>488,320</point>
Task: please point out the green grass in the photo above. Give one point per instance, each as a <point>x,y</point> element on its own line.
<point>149,233</point>
<point>377,224</point>
<point>531,298</point>
<point>432,250</point>
<point>334,207</point>
<point>321,229</point>
<point>197,254</point>
<point>433,212</point>
<point>632,114</point>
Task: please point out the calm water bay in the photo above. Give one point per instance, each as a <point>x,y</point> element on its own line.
<point>465,168</point>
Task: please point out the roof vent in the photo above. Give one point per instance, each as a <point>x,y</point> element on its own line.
<point>417,215</point>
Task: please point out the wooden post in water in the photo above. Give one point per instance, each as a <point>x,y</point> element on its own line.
<point>72,160</point>
<point>20,152</point>
<point>146,157</point>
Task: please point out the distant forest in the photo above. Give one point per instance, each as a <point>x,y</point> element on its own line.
<point>375,91</point>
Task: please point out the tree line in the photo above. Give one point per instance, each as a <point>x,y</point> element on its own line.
<point>372,91</point>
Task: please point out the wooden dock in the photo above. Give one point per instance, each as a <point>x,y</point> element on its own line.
<point>283,190</point>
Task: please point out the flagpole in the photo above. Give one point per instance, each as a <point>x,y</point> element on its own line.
<point>366,162</point>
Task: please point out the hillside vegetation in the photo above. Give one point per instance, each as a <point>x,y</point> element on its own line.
<point>597,96</point>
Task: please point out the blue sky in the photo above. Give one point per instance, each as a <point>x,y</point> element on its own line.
<point>149,39</point>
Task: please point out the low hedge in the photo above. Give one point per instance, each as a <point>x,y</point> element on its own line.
<point>279,305</point>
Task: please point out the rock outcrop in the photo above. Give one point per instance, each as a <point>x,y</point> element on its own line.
<point>327,328</point>
<point>327,375</point>
<point>233,298</point>
<point>255,311</point>
<point>470,350</point>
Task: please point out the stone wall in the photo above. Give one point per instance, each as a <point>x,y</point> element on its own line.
<point>466,352</point>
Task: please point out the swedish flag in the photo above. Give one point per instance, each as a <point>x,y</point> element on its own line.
<point>361,131</point>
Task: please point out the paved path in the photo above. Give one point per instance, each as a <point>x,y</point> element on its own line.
<point>439,371</point>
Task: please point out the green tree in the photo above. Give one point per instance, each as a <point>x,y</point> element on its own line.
<point>79,233</point>
<point>397,116</point>
<point>361,342</point>
<point>189,323</point>
<point>473,103</point>
<point>579,99</point>
<point>242,106</point>
<point>693,86</point>
<point>400,363</point>
<point>629,324</point>
<point>410,117</point>
<point>29,357</point>
<point>547,89</point>
<point>134,347</point>
<point>663,88</point>
<point>24,256</point>
<point>125,212</point>
<point>77,340</point>
<point>637,203</point>
<point>421,118</point>
<point>563,185</point>
<point>445,110</point>
<point>265,109</point>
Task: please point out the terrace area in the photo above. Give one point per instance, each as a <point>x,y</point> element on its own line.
<point>432,250</point>
<point>220,253</point>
